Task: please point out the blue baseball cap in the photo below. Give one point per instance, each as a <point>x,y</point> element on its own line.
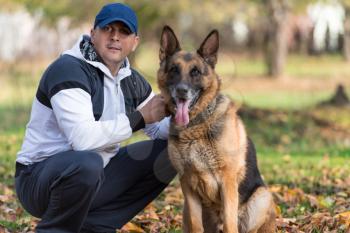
<point>116,12</point>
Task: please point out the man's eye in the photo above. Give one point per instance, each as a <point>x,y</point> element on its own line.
<point>125,31</point>
<point>107,28</point>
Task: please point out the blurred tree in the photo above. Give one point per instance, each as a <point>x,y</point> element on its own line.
<point>339,98</point>
<point>277,14</point>
<point>276,38</point>
<point>193,18</point>
<point>79,11</point>
<point>7,5</point>
<point>51,11</point>
<point>346,38</point>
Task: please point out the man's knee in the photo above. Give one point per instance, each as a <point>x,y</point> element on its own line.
<point>87,169</point>
<point>160,143</point>
<point>163,168</point>
<point>147,151</point>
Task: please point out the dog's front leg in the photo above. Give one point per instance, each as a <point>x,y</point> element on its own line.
<point>229,201</point>
<point>192,213</point>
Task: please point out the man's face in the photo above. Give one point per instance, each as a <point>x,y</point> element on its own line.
<point>113,43</point>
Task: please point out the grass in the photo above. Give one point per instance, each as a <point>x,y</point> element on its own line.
<point>317,67</point>
<point>297,168</point>
<point>279,99</point>
<point>298,144</point>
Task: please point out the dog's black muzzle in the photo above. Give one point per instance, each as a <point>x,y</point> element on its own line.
<point>183,91</point>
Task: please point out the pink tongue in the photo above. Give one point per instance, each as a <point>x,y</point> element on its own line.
<point>181,117</point>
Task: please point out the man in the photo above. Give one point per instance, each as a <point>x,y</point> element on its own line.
<point>70,171</point>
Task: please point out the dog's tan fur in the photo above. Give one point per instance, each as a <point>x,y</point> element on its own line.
<point>210,153</point>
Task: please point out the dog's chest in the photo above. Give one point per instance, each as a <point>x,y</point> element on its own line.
<point>199,155</point>
<point>196,162</point>
<point>196,147</point>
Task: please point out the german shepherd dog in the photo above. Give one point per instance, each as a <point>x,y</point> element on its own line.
<point>208,145</point>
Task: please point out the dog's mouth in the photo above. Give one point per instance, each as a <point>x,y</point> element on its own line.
<point>183,107</point>
<point>182,117</point>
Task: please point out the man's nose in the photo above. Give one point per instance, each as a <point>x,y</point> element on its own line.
<point>115,35</point>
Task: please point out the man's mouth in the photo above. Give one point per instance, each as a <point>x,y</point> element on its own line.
<point>114,47</point>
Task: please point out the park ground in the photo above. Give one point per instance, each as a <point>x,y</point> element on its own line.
<point>303,149</point>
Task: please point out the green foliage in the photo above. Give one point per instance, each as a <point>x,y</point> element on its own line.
<point>12,226</point>
<point>78,10</point>
<point>9,5</point>
<point>149,11</point>
<point>298,132</point>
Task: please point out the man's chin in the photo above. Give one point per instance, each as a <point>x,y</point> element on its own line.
<point>114,60</point>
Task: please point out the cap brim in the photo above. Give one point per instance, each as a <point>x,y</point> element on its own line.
<point>108,21</point>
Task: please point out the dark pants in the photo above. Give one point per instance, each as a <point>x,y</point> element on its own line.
<point>72,192</point>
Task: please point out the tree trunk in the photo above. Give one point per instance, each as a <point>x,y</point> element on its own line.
<point>346,40</point>
<point>277,45</point>
<point>339,99</point>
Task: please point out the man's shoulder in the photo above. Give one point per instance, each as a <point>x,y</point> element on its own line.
<point>138,77</point>
<point>66,67</point>
<point>66,71</point>
<point>66,62</point>
<point>134,72</point>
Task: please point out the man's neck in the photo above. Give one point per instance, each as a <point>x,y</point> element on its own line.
<point>114,68</point>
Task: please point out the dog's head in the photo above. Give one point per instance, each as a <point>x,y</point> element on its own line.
<point>187,80</point>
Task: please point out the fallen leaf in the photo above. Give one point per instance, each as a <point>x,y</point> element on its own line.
<point>344,218</point>
<point>131,227</point>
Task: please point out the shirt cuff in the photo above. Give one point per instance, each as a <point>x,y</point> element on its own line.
<point>136,121</point>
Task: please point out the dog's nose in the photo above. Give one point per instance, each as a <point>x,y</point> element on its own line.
<point>182,90</point>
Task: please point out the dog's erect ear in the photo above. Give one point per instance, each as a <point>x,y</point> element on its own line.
<point>209,48</point>
<point>168,43</point>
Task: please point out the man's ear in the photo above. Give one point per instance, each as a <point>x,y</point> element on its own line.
<point>168,43</point>
<point>136,43</point>
<point>92,35</point>
<point>209,48</point>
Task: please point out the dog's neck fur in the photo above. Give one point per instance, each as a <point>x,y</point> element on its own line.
<point>207,97</point>
<point>208,124</point>
<point>207,112</point>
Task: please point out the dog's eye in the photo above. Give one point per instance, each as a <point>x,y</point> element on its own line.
<point>195,72</point>
<point>174,70</point>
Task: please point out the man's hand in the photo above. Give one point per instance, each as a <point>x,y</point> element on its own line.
<point>154,110</point>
